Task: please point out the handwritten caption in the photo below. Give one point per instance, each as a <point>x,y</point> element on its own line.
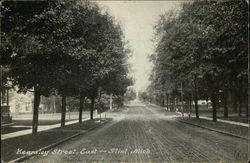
<point>83,151</point>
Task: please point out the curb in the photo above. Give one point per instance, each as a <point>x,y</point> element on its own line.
<point>23,158</point>
<point>219,131</point>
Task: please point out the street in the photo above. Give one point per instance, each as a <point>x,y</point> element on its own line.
<point>143,133</point>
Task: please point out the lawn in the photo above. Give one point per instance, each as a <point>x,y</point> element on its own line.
<point>10,129</point>
<point>30,142</point>
<point>230,128</point>
<point>20,125</point>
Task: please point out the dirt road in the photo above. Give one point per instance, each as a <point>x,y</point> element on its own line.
<point>143,133</point>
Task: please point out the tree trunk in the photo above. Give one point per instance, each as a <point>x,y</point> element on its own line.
<point>1,84</point>
<point>111,101</point>
<point>190,107</point>
<point>207,102</point>
<point>247,109</point>
<point>173,103</point>
<point>196,106</point>
<point>167,101</point>
<point>92,108</point>
<point>214,105</point>
<point>63,110</point>
<point>37,97</point>
<point>162,101</point>
<point>186,108</point>
<point>248,100</point>
<point>196,99</point>
<point>240,92</point>
<point>240,106</point>
<point>7,97</point>
<point>235,99</point>
<point>190,104</point>
<point>81,107</point>
<point>225,104</point>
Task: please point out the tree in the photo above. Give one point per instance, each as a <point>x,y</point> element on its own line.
<point>110,69</point>
<point>68,47</point>
<point>195,48</point>
<point>130,94</point>
<point>28,55</point>
<point>67,21</point>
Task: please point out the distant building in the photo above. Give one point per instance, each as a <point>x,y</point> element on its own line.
<point>203,102</point>
<point>20,103</point>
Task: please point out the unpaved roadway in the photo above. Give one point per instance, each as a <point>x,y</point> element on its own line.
<point>143,133</point>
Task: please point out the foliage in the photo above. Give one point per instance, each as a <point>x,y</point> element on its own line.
<point>65,47</point>
<point>203,48</point>
<point>130,94</point>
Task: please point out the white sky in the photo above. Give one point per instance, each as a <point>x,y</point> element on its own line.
<point>137,19</point>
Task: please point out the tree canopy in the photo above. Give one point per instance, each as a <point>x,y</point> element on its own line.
<point>68,47</point>
<point>203,48</point>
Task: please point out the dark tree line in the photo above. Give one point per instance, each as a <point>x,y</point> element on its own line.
<point>202,53</point>
<point>70,48</point>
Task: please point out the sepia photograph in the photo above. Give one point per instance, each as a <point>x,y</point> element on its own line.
<point>115,81</point>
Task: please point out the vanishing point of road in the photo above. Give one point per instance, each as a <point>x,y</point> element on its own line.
<point>144,133</point>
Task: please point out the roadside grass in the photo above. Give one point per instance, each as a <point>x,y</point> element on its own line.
<point>9,147</point>
<point>20,125</point>
<point>30,142</point>
<point>86,125</point>
<point>225,127</point>
<point>10,129</point>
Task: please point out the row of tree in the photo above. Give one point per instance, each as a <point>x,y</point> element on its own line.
<point>201,52</point>
<point>66,47</point>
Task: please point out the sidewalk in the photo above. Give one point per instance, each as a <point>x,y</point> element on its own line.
<point>40,127</point>
<point>218,120</point>
<point>29,131</point>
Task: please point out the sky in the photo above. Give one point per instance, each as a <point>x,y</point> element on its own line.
<point>137,19</point>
